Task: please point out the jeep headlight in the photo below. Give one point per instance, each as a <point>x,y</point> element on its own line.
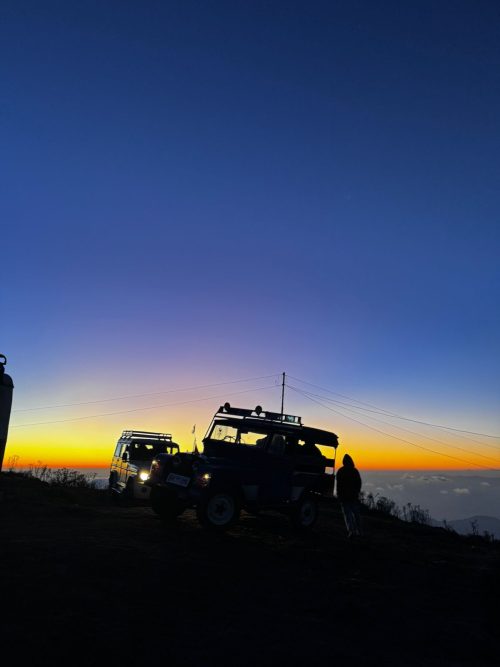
<point>203,479</point>
<point>143,475</point>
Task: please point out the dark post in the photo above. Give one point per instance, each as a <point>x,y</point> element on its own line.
<point>282,396</point>
<point>6,387</point>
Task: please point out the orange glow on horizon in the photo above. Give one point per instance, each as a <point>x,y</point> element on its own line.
<point>92,447</point>
<point>67,436</point>
<point>90,443</point>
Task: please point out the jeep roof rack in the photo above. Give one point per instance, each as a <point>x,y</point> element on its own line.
<point>145,435</point>
<point>258,413</point>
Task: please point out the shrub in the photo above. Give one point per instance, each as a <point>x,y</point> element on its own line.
<point>61,477</point>
<point>489,537</point>
<point>415,514</point>
<point>386,506</point>
<point>448,528</point>
<point>72,478</point>
<point>380,504</point>
<point>12,462</point>
<point>39,471</point>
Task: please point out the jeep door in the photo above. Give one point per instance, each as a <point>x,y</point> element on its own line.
<point>276,474</point>
<point>116,462</point>
<point>123,471</point>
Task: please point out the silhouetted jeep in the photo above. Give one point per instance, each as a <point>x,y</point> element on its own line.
<point>132,458</point>
<point>252,460</point>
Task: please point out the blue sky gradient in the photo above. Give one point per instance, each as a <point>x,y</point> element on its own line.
<point>195,191</point>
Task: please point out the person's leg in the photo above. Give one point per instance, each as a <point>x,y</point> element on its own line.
<point>357,519</point>
<point>349,518</point>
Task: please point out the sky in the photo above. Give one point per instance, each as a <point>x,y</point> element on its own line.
<point>193,193</point>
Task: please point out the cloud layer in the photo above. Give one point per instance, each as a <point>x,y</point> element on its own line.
<point>449,496</point>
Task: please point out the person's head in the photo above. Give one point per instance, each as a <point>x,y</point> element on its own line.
<point>347,461</point>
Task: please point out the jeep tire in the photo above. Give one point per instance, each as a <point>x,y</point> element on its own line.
<point>219,511</point>
<point>305,512</point>
<point>111,483</point>
<point>128,492</point>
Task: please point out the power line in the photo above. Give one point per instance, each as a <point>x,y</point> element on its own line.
<point>402,428</point>
<point>151,407</point>
<point>336,393</point>
<point>393,414</point>
<point>349,406</point>
<point>154,393</point>
<point>409,442</point>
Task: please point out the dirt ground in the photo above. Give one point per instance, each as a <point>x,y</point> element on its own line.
<point>85,581</point>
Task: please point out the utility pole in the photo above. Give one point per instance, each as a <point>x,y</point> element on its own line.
<point>282,396</point>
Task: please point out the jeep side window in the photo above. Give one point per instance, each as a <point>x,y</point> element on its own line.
<point>141,451</point>
<point>308,448</point>
<point>224,432</point>
<point>118,450</point>
<point>252,438</point>
<point>164,448</point>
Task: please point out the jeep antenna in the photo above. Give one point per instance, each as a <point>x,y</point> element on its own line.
<point>282,396</point>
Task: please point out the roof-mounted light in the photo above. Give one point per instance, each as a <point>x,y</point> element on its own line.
<point>258,413</point>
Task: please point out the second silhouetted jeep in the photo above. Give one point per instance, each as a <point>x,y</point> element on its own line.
<point>251,460</point>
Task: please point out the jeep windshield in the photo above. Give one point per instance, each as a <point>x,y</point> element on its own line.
<point>271,442</point>
<point>241,436</point>
<point>146,451</point>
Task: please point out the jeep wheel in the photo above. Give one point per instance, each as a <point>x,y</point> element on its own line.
<point>112,492</point>
<point>219,511</point>
<point>126,497</point>
<point>305,513</point>
<point>128,493</point>
<point>111,483</point>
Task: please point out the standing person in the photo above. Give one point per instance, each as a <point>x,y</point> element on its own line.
<point>348,488</point>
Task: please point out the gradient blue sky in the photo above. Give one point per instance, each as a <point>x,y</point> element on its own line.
<point>200,191</point>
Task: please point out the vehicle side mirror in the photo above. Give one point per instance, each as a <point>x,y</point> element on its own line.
<point>125,456</point>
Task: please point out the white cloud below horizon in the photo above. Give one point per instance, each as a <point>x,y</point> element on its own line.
<point>447,495</point>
